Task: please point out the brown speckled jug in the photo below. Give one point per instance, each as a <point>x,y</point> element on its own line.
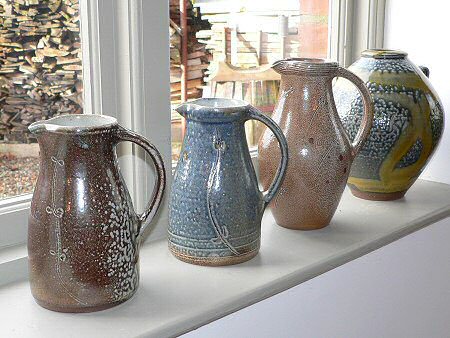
<point>83,233</point>
<point>320,153</point>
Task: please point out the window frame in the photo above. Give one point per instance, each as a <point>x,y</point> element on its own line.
<point>121,35</point>
<point>355,26</point>
<point>137,97</point>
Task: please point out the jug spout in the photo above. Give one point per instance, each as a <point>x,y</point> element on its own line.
<point>37,127</point>
<point>280,65</point>
<point>183,109</point>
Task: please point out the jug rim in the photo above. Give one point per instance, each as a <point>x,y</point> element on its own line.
<point>308,66</point>
<point>214,109</point>
<point>73,123</point>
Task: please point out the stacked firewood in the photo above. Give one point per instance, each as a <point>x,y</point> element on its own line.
<point>40,63</point>
<point>198,57</point>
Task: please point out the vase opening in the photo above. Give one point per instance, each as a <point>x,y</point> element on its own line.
<point>384,54</point>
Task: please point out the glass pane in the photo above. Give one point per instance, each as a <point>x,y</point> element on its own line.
<point>40,77</point>
<point>243,35</point>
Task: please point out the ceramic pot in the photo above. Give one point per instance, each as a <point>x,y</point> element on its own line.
<point>320,154</point>
<point>83,233</point>
<point>407,127</point>
<point>215,206</point>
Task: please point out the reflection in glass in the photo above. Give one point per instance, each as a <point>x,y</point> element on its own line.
<point>40,77</point>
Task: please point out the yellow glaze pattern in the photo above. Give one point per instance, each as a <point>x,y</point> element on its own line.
<point>407,126</point>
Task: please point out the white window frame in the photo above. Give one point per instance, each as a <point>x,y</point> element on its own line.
<point>126,75</point>
<point>355,26</point>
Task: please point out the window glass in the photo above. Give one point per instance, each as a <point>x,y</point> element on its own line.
<point>235,35</point>
<point>40,77</point>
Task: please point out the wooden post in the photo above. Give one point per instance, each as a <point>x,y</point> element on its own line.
<point>184,56</point>
<point>259,46</point>
<point>234,45</point>
<point>224,44</point>
<point>283,31</point>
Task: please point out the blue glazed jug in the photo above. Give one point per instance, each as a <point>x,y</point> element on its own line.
<point>215,206</point>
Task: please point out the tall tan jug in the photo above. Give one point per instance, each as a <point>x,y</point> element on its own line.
<point>320,153</point>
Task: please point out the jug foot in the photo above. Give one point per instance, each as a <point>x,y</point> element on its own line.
<point>78,309</point>
<point>377,196</point>
<point>304,227</point>
<point>214,261</point>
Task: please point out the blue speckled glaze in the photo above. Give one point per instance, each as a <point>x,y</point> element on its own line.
<point>216,207</point>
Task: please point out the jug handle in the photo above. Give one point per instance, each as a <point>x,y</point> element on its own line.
<point>270,193</point>
<point>366,124</point>
<point>160,183</point>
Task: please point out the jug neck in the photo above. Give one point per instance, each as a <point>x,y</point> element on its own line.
<point>96,146</point>
<point>199,131</point>
<point>80,135</point>
<point>305,91</point>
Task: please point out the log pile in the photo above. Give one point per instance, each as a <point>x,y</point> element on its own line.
<point>40,63</point>
<point>198,56</point>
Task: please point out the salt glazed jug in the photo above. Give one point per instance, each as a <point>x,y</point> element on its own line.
<point>407,127</point>
<point>216,206</point>
<point>320,153</point>
<point>83,234</point>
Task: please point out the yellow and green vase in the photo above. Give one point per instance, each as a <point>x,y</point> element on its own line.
<point>407,126</point>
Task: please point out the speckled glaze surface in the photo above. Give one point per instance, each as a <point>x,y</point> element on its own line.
<point>83,234</point>
<point>320,154</point>
<point>408,123</point>
<point>216,207</point>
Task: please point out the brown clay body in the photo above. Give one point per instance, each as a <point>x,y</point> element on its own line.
<point>320,153</point>
<point>83,234</point>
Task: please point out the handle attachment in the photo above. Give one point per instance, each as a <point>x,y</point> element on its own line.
<point>425,70</point>
<point>366,124</point>
<point>152,206</point>
<point>270,193</point>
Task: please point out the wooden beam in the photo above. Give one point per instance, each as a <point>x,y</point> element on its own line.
<point>184,55</point>
<point>283,33</point>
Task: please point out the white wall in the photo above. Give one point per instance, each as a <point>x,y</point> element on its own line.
<point>422,29</point>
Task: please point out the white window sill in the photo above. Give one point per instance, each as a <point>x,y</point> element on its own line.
<point>175,297</point>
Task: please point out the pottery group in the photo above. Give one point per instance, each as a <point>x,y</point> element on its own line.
<point>406,129</point>
<point>84,234</point>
